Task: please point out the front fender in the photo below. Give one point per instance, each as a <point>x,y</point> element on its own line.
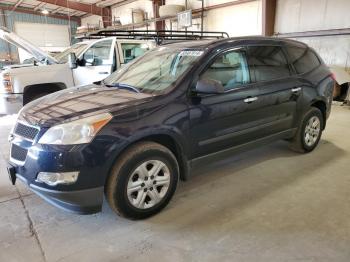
<point>27,76</point>
<point>151,134</point>
<point>175,134</point>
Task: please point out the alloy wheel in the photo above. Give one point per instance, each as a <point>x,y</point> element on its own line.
<point>148,184</point>
<point>312,131</point>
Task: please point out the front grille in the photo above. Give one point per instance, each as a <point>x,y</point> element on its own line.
<point>25,131</point>
<point>18,153</point>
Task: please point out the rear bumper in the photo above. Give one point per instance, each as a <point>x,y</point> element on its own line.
<point>10,103</point>
<point>86,201</point>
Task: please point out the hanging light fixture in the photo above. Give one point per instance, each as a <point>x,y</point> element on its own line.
<point>45,12</point>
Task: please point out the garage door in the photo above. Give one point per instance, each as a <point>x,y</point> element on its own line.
<point>51,38</point>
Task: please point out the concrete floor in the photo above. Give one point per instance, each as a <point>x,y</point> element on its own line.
<point>269,204</point>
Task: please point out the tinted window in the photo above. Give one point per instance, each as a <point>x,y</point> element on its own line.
<point>230,69</point>
<point>267,63</point>
<point>303,59</point>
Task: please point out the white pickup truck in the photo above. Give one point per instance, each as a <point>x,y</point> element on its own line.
<point>96,59</point>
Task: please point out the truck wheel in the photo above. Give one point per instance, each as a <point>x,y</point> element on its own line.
<point>309,132</point>
<point>142,181</point>
<point>34,97</point>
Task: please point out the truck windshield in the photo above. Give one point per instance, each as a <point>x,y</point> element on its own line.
<point>76,48</point>
<point>156,71</point>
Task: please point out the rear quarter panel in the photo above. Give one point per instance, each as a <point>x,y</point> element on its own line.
<point>317,86</point>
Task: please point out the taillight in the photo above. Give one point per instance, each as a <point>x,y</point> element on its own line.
<point>6,80</point>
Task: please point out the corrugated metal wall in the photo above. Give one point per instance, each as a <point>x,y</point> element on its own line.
<point>301,15</point>
<point>236,20</point>
<point>9,18</point>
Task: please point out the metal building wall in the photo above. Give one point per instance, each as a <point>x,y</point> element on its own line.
<point>9,18</point>
<point>305,16</point>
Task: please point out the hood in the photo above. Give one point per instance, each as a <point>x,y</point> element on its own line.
<point>19,42</point>
<point>77,102</point>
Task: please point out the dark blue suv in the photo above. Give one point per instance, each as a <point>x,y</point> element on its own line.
<point>133,135</point>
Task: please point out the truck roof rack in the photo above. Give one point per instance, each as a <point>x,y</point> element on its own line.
<point>160,36</point>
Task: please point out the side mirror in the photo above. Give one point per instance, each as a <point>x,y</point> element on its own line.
<point>72,61</point>
<point>209,86</point>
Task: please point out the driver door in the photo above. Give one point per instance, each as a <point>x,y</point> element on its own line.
<point>96,63</point>
<point>220,121</point>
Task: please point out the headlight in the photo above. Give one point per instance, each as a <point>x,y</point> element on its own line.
<point>7,82</point>
<point>76,132</point>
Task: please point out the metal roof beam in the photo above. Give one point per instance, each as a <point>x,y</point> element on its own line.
<point>39,6</point>
<point>31,11</point>
<point>17,4</point>
<point>56,10</point>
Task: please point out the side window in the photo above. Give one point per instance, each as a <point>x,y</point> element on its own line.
<point>99,53</point>
<point>133,50</point>
<point>230,69</point>
<point>303,59</point>
<point>267,63</point>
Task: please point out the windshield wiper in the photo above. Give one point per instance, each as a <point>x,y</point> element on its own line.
<point>122,86</point>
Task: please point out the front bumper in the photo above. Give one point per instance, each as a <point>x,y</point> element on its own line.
<point>10,103</point>
<point>85,196</point>
<point>87,201</point>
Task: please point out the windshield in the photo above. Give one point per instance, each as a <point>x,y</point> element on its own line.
<point>156,71</point>
<point>77,49</point>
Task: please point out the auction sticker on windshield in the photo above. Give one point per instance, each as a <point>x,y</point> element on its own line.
<point>191,53</point>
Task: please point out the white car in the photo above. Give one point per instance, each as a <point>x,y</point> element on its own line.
<point>96,59</point>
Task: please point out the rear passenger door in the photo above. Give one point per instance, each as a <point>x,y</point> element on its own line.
<point>279,90</point>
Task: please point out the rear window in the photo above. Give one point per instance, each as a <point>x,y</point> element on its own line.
<point>133,50</point>
<point>267,63</point>
<point>303,59</point>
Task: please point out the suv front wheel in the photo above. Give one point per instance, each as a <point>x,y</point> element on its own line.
<point>309,132</point>
<point>142,181</point>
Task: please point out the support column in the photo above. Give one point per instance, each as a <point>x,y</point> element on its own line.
<point>107,16</point>
<point>160,25</point>
<point>268,17</point>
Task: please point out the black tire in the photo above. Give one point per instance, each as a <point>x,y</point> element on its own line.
<point>299,142</point>
<point>116,189</point>
<point>34,97</point>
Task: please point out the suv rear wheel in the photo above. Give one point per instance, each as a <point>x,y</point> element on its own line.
<point>309,131</point>
<point>142,181</point>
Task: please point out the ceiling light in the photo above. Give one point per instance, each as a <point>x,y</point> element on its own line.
<point>45,12</point>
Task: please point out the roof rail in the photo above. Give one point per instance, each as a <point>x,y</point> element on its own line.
<point>159,36</point>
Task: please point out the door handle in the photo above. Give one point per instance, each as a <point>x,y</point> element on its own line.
<point>250,99</point>
<point>103,73</point>
<point>296,90</point>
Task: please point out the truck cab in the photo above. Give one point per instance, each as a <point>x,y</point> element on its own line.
<point>96,59</point>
